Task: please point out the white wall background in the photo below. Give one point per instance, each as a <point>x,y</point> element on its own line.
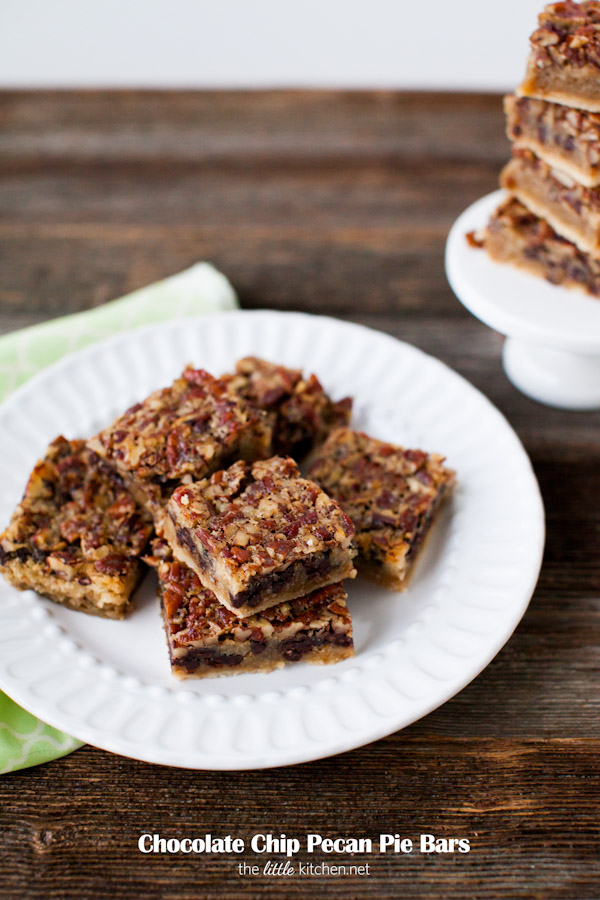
<point>445,44</point>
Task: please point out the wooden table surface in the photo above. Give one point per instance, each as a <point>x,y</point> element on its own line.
<point>334,203</point>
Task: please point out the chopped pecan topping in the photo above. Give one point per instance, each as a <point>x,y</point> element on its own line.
<point>186,430</point>
<point>77,517</point>
<point>260,517</point>
<point>112,564</point>
<point>568,34</point>
<point>384,489</point>
<point>299,410</point>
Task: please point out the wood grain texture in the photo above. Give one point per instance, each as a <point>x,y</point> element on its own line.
<point>335,203</point>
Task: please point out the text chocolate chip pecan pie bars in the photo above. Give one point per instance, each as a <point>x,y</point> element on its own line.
<point>77,535</point>
<point>564,63</point>
<point>299,411</point>
<point>206,639</point>
<point>260,535</point>
<point>180,433</point>
<point>390,494</point>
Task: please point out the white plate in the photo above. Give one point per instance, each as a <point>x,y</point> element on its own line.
<point>108,683</point>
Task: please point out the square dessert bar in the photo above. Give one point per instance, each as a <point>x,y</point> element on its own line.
<point>300,412</point>
<point>181,433</point>
<point>564,62</point>
<point>517,236</point>
<point>206,639</point>
<point>570,209</point>
<point>77,535</point>
<point>260,535</point>
<point>565,138</point>
<point>390,494</point>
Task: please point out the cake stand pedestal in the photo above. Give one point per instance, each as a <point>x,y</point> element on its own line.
<point>552,351</point>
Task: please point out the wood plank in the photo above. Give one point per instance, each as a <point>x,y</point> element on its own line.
<point>332,274</point>
<point>224,126</point>
<point>511,798</point>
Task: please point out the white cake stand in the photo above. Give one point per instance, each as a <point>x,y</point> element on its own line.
<point>552,351</point>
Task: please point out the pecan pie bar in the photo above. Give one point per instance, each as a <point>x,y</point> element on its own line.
<point>569,208</point>
<point>206,639</point>
<point>390,494</point>
<point>301,414</point>
<point>77,535</point>
<point>260,535</point>
<point>517,236</point>
<point>564,62</point>
<point>181,433</point>
<point>565,138</point>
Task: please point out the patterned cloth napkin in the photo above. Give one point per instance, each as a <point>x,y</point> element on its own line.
<point>24,740</point>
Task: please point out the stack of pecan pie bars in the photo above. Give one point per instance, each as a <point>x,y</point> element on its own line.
<point>550,222</point>
<point>201,482</point>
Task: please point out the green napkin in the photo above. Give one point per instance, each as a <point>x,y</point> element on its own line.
<point>24,740</point>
